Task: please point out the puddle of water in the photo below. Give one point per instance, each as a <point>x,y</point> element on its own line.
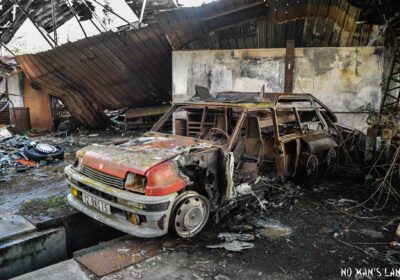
<point>275,231</point>
<point>272,229</point>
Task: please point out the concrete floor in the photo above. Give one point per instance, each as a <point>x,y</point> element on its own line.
<point>326,234</point>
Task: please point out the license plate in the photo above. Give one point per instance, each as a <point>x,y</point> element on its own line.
<point>96,204</point>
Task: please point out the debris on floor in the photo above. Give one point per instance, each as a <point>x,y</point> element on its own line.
<point>20,153</point>
<point>234,241</point>
<point>235,246</point>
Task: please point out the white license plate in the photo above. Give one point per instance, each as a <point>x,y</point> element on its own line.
<point>96,204</point>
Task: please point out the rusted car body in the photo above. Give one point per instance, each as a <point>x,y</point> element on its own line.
<point>174,176</point>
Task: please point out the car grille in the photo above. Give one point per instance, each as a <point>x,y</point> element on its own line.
<point>102,177</point>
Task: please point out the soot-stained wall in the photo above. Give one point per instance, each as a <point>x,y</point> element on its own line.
<point>346,79</point>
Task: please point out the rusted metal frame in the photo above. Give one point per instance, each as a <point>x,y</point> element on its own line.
<point>54,16</point>
<point>298,154</point>
<point>280,161</point>
<point>261,150</point>
<point>36,26</point>
<point>76,17</point>
<point>289,66</point>
<point>236,131</point>
<point>296,113</point>
<point>164,118</point>
<point>203,119</point>
<point>387,89</point>
<point>322,119</point>
<point>392,103</point>
<point>276,127</point>
<point>226,119</point>
<point>218,105</point>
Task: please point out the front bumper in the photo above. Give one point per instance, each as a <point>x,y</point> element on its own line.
<point>153,210</point>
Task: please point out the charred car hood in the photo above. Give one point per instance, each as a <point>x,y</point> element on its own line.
<point>137,155</point>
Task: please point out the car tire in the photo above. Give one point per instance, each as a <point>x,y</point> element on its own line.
<point>189,214</point>
<point>33,154</point>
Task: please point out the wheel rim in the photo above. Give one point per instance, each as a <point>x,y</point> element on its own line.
<point>191,216</point>
<point>45,148</point>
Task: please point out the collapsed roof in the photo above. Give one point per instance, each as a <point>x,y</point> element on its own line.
<point>133,68</point>
<point>12,14</point>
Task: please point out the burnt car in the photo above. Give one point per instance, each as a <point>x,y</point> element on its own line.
<point>175,175</point>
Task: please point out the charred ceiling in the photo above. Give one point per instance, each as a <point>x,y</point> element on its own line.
<point>133,68</point>
<point>13,14</point>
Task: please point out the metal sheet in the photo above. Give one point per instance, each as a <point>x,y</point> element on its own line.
<point>119,255</point>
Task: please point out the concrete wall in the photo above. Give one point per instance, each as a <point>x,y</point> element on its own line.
<point>31,251</point>
<point>345,79</point>
<point>14,89</point>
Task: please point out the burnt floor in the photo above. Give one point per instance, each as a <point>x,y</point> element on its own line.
<point>323,233</point>
<point>324,230</point>
<point>327,235</point>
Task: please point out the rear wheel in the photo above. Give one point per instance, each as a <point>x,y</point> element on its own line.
<point>189,214</point>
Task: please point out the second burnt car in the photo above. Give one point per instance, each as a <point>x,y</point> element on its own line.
<point>175,175</point>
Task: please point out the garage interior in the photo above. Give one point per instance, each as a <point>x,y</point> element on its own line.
<point>83,76</point>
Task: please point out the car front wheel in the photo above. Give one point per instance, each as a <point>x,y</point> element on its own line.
<point>190,213</point>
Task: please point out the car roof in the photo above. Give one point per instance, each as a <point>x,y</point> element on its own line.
<point>266,100</point>
<point>263,101</point>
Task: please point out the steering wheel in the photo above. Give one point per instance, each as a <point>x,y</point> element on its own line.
<point>214,134</point>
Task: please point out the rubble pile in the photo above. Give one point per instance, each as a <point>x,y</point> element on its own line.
<point>270,193</point>
<point>18,153</point>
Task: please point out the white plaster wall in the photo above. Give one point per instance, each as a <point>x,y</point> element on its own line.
<point>14,90</point>
<point>343,78</point>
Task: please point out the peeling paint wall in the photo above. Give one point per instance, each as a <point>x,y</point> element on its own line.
<point>345,79</point>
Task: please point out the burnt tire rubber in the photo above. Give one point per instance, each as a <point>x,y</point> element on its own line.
<point>33,154</point>
<point>189,214</point>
